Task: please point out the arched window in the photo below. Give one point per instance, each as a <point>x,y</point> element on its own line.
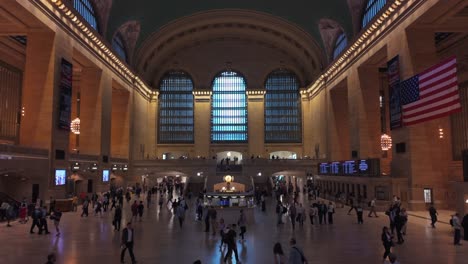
<point>176,108</point>
<point>229,108</point>
<point>373,7</point>
<point>282,108</point>
<point>340,45</point>
<point>119,47</point>
<point>86,10</point>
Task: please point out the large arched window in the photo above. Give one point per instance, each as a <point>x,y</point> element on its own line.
<point>373,7</point>
<point>86,10</point>
<point>282,108</point>
<point>229,108</point>
<point>340,45</point>
<point>176,108</point>
<point>119,46</point>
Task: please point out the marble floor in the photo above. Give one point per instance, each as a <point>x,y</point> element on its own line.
<point>158,239</point>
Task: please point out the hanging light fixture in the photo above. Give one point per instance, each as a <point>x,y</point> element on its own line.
<point>385,142</point>
<point>75,126</point>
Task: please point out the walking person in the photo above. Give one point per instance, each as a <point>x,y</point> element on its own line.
<point>134,209</point>
<point>278,254</point>
<point>213,217</point>
<point>313,211</point>
<point>404,218</point>
<point>180,213</point>
<point>351,204</point>
<point>296,255</point>
<point>359,212</point>
<point>43,222</point>
<point>433,213</point>
<point>85,208</point>
<point>36,215</point>
<point>279,213</point>
<point>127,243</point>
<point>300,215</point>
<point>331,211</point>
<point>231,243</point>
<point>56,216</point>
<point>399,222</point>
<point>141,207</point>
<point>161,201</point>
<point>262,198</point>
<point>455,222</point>
<point>372,208</point>
<point>222,232</point>
<point>465,227</point>
<point>292,215</point>
<point>387,240</point>
<point>117,218</point>
<point>243,225</point>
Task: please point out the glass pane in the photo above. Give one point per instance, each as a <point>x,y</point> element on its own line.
<point>373,7</point>
<point>229,108</point>
<point>283,121</point>
<point>86,10</point>
<point>176,108</point>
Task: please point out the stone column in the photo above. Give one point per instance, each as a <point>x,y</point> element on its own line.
<point>256,122</point>
<point>202,112</point>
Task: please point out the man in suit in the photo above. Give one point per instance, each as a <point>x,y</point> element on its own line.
<point>127,243</point>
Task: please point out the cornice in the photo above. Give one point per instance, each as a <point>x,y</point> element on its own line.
<point>381,26</point>
<point>69,20</point>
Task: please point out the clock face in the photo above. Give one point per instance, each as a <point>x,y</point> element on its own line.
<point>228,178</point>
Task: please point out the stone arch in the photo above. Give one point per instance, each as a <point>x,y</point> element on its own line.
<point>329,30</point>
<point>271,40</point>
<point>130,31</point>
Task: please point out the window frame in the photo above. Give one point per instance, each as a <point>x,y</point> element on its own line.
<point>160,101</point>
<point>91,10</point>
<point>367,18</point>
<point>244,93</point>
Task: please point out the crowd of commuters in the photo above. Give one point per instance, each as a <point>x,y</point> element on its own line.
<point>290,210</point>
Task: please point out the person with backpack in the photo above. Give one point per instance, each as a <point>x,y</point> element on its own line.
<point>296,255</point>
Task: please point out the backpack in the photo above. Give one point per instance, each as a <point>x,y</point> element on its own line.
<point>303,259</point>
<point>451,222</point>
<point>369,204</point>
<point>285,210</point>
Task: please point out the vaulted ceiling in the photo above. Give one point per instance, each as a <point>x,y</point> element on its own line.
<point>255,35</point>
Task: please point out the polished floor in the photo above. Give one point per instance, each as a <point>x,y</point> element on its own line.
<point>158,239</point>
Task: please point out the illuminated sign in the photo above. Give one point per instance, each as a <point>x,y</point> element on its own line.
<point>105,175</point>
<point>367,167</point>
<point>60,177</point>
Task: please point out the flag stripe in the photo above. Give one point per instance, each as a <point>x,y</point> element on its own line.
<point>441,85</point>
<point>431,94</point>
<point>439,67</point>
<point>429,99</point>
<point>436,106</point>
<point>453,109</point>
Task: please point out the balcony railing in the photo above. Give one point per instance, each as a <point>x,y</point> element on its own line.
<point>15,150</point>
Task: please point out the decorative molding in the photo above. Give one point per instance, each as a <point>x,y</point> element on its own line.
<point>71,21</point>
<point>368,37</point>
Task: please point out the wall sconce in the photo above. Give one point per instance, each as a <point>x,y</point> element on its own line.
<point>441,133</point>
<point>385,142</point>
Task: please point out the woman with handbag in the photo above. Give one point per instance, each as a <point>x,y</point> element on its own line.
<point>387,240</point>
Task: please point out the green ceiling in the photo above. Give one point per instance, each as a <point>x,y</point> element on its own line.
<point>153,14</point>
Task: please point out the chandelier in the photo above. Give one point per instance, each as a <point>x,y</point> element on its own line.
<point>75,126</point>
<point>385,142</point>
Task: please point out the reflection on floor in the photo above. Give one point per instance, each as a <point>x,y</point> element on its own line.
<point>158,239</point>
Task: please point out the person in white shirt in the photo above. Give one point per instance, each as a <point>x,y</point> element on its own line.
<point>127,243</point>
<point>372,209</point>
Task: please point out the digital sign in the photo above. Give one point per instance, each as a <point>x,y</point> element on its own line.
<point>365,167</point>
<point>105,175</point>
<point>60,177</point>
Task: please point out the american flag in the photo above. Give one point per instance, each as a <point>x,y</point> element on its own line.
<point>431,94</point>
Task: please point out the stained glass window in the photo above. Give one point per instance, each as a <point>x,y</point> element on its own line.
<point>340,45</point>
<point>282,108</point>
<point>176,108</point>
<point>229,109</point>
<point>119,47</point>
<point>86,10</point>
<point>373,7</point>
